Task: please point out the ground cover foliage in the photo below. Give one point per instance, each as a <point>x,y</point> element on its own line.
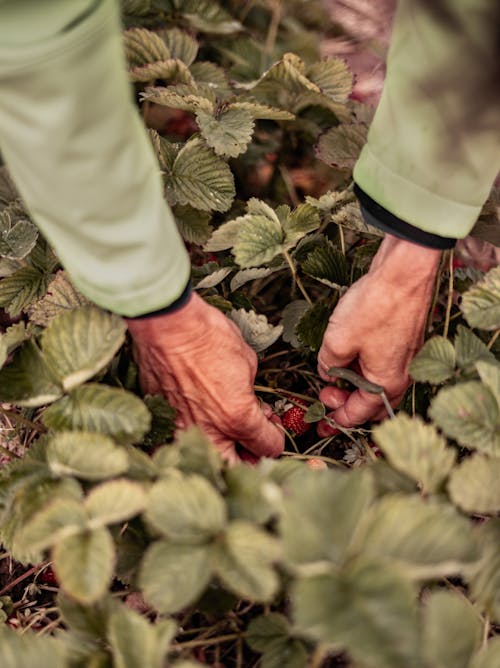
<point>125,545</point>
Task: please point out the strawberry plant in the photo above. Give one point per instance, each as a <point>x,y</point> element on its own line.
<point>126,543</point>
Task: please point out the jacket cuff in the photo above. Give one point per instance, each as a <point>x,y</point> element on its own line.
<point>174,306</point>
<point>376,215</point>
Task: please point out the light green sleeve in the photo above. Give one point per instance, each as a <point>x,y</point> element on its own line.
<point>80,156</point>
<point>433,148</point>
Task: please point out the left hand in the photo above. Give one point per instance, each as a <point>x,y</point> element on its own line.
<point>197,358</point>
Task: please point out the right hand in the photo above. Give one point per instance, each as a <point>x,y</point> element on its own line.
<point>378,327</point>
<point>197,358</point>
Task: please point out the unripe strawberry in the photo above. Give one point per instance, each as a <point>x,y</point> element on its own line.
<point>293,419</point>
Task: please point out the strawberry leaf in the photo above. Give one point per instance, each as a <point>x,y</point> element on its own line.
<point>481,304</point>
<point>174,576</point>
<point>473,485</point>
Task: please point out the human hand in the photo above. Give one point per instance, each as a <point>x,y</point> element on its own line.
<point>197,359</point>
<point>378,327</point>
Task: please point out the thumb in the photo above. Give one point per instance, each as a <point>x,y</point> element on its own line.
<point>334,353</point>
<point>263,437</point>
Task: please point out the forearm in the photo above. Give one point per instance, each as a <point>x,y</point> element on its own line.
<point>77,150</point>
<point>433,149</point>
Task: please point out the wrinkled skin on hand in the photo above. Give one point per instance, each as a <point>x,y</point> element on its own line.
<point>197,359</point>
<point>377,328</point>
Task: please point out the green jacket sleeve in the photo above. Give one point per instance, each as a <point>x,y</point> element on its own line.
<point>77,150</point>
<point>433,148</point>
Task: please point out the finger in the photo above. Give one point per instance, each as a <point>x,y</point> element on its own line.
<point>327,358</point>
<point>333,397</point>
<point>325,429</point>
<point>359,407</point>
<point>262,435</point>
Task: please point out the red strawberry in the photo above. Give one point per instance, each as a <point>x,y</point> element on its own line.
<point>48,576</point>
<point>293,419</point>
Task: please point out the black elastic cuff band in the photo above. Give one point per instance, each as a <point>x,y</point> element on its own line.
<point>376,215</point>
<point>174,306</point>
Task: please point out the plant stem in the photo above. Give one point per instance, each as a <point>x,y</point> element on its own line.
<point>282,393</point>
<point>272,33</point>
<point>428,325</point>
<point>491,342</point>
<point>189,644</point>
<point>296,277</point>
<point>342,238</point>
<point>320,654</point>
<point>292,193</point>
<point>449,301</point>
<point>14,583</point>
<point>24,421</point>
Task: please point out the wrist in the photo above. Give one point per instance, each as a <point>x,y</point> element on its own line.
<point>404,264</point>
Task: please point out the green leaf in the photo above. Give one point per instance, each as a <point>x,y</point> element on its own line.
<point>144,46</point>
<point>21,289</point>
<point>333,77</point>
<point>181,96</point>
<point>198,455</point>
<point>84,564</point>
<point>304,219</point>
<point>469,348</point>
<point>29,380</point>
<point>135,642</point>
<point>263,111</point>
<point>312,325</point>
<point>27,499</point>
<point>211,79</point>
<point>18,235</point>
<point>485,580</point>
<point>489,657</point>
<point>481,303</point>
<point>255,329</point>
<point>435,362</point>
<point>114,501</point>
<point>245,275</point>
<point>193,225</point>
<point>174,576</point>
<point>213,279</point>
<point>200,178</point>
<point>249,495</point>
<point>260,239</point>
<point>427,539</point>
<point>186,509</point>
<point>328,507</point>
<point>224,236</point>
<point>327,264</point>
<point>470,414</point>
<point>243,561</point>
<point>341,145</point>
<point>416,449</point>
<point>77,344</point>
<point>61,296</point>
<point>489,372</point>
<point>85,455</point>
<point>272,636</point>
<point>170,70</point>
<point>290,318</point>
<point>86,620</point>
<point>162,420</point>
<point>228,133</point>
<point>208,16</point>
<point>11,339</point>
<point>29,650</point>
<point>180,44</point>
<point>367,609</point>
<point>97,408</point>
<point>473,485</point>
<point>60,517</point>
<point>451,630</point>
<point>315,412</point>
